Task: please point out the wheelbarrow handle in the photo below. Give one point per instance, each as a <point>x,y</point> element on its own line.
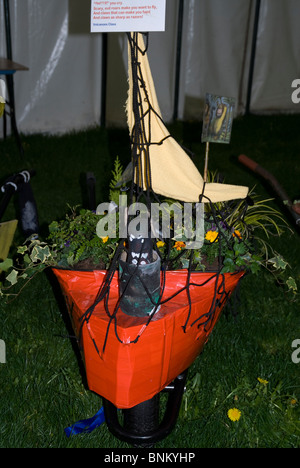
<point>11,185</point>
<point>255,167</point>
<point>248,162</point>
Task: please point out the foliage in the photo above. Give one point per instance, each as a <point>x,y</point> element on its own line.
<point>116,176</point>
<point>72,243</point>
<point>74,240</point>
<point>231,241</point>
<point>251,409</point>
<point>41,363</point>
<point>236,234</point>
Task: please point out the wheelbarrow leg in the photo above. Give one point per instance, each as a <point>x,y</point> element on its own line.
<point>141,423</point>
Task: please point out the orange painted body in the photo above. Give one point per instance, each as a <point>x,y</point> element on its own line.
<point>128,373</point>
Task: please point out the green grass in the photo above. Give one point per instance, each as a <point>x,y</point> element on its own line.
<point>42,385</point>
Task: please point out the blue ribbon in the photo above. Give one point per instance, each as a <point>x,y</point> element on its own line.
<point>86,425</point>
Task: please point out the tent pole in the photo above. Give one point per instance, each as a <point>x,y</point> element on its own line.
<point>178,59</point>
<point>252,58</point>
<point>103,80</point>
<point>7,30</point>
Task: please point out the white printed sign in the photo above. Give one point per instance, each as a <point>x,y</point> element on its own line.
<point>128,15</point>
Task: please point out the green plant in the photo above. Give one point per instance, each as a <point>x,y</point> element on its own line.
<point>248,411</point>
<point>235,238</point>
<point>255,343</point>
<point>116,176</point>
<point>74,241</point>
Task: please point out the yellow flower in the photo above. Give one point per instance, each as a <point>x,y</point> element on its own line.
<point>104,239</point>
<point>237,233</point>
<point>262,381</point>
<point>179,245</point>
<point>234,414</point>
<point>212,236</point>
<point>160,244</point>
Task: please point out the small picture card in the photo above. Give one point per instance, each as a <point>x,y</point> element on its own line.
<point>128,15</point>
<point>217,118</point>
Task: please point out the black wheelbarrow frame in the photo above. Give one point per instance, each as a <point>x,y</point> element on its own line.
<point>141,426</point>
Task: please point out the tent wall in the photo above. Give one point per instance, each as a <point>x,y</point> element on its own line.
<point>62,91</point>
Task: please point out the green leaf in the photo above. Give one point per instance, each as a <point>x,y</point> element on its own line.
<point>12,277</point>
<point>228,261</point>
<point>70,259</point>
<point>22,249</point>
<point>278,262</point>
<point>255,267</point>
<point>27,258</point>
<point>240,261</point>
<point>228,268</point>
<point>239,248</point>
<point>229,254</point>
<point>6,265</point>
<point>291,283</point>
<point>40,253</point>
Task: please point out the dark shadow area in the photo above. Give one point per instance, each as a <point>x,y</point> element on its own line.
<point>67,321</point>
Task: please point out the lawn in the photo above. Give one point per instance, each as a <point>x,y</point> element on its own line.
<point>42,386</point>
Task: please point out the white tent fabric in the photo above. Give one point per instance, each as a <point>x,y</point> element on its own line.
<point>278,56</point>
<point>62,89</point>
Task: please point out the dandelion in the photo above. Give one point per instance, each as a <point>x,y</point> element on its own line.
<point>234,414</point>
<point>104,239</point>
<point>179,245</point>
<point>160,244</point>
<point>212,236</point>
<point>262,381</point>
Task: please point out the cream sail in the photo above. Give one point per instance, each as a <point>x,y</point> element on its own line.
<point>173,174</point>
